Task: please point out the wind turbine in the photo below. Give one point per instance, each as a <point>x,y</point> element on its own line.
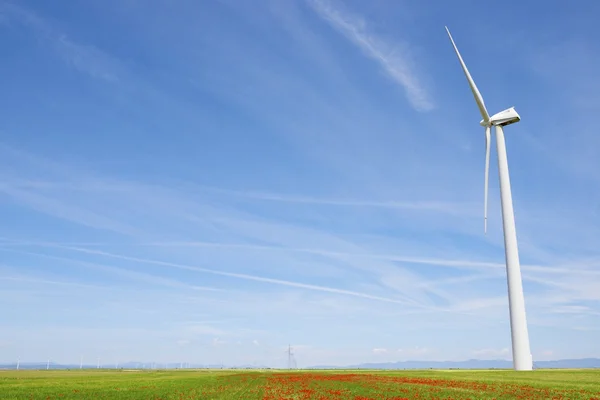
<point>522,359</point>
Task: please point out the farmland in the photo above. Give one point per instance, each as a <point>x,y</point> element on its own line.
<point>356,385</point>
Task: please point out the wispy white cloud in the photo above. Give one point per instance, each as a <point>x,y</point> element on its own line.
<point>455,304</point>
<point>431,206</point>
<point>576,309</point>
<point>582,268</point>
<point>394,58</point>
<point>414,350</point>
<point>492,353</point>
<point>576,289</point>
<point>130,199</point>
<point>242,276</point>
<point>136,276</point>
<point>64,209</point>
<point>21,278</point>
<point>87,59</point>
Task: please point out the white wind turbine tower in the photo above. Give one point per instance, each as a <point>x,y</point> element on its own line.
<point>522,359</point>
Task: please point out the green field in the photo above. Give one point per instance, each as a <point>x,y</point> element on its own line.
<point>357,385</point>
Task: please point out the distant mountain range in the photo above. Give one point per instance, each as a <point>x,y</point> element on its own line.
<point>468,364</point>
<point>471,364</point>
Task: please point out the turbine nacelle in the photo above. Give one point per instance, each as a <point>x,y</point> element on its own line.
<point>503,118</point>
<point>506,117</point>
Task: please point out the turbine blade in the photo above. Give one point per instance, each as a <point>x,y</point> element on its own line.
<point>476,94</point>
<point>487,174</point>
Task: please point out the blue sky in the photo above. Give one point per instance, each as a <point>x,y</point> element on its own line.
<point>210,181</point>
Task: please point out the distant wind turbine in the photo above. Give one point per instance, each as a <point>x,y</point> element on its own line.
<point>522,359</point>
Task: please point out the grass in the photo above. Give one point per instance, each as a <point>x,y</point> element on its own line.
<point>271,385</point>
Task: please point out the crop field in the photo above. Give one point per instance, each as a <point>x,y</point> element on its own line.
<point>356,385</point>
